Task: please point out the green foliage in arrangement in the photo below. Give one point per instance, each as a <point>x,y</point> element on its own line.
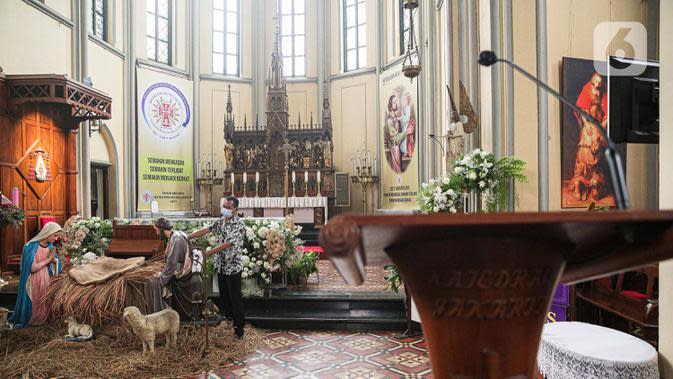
<point>11,215</point>
<point>301,268</point>
<point>393,277</point>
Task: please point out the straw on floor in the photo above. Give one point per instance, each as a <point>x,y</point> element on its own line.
<point>43,352</point>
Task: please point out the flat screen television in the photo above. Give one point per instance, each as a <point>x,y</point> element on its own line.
<point>633,100</point>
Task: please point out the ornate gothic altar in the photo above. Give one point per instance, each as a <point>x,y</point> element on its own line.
<point>257,163</point>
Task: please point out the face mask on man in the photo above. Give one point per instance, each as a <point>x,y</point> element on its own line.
<point>226,213</point>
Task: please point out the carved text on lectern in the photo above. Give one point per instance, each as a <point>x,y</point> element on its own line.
<point>498,309</point>
<point>492,279</point>
<point>498,283</point>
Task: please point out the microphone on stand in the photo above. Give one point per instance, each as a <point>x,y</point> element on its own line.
<point>617,177</point>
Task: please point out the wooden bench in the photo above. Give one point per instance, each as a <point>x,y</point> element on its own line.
<point>637,305</point>
<point>134,241</point>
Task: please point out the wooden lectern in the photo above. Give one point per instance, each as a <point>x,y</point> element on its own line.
<point>483,282</point>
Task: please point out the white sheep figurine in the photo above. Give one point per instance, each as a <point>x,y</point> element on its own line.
<point>149,326</point>
<point>77,330</point>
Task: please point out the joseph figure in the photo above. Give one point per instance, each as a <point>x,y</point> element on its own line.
<point>177,282</point>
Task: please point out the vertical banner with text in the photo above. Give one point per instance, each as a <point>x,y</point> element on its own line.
<point>399,160</point>
<point>165,142</point>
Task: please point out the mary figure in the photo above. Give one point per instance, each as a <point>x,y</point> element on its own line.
<point>39,262</point>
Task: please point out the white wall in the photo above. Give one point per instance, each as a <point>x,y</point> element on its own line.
<point>33,42</point>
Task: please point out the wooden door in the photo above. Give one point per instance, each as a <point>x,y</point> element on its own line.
<point>37,130</point>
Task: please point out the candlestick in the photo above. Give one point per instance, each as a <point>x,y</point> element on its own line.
<point>364,173</point>
<point>15,196</point>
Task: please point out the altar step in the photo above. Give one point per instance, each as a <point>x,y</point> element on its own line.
<point>326,310</point>
<point>310,235</point>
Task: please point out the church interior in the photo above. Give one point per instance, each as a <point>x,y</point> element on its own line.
<point>336,189</point>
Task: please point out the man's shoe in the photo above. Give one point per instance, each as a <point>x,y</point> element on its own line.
<point>238,332</point>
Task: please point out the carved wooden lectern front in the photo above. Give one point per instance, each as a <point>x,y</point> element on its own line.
<point>483,282</point>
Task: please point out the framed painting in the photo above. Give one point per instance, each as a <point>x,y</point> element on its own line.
<point>585,175</point>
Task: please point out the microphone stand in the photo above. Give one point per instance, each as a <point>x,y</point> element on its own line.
<point>612,156</point>
<point>439,142</point>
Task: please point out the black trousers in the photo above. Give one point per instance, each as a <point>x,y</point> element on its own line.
<point>231,298</point>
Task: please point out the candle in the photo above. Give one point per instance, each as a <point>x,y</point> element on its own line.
<point>294,176</point>
<point>245,177</point>
<point>306,176</point>
<point>318,175</point>
<point>257,176</point>
<point>15,196</point>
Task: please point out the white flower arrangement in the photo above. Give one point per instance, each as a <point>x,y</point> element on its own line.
<point>89,237</point>
<point>478,171</point>
<point>94,235</point>
<point>261,257</point>
<point>440,196</point>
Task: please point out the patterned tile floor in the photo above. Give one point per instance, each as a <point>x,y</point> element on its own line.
<point>331,280</point>
<point>327,355</point>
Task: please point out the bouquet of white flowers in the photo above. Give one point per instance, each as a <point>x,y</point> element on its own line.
<point>268,247</point>
<point>478,173</point>
<point>476,170</point>
<point>81,236</point>
<point>441,196</point>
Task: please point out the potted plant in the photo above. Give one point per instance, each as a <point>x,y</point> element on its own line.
<point>303,267</point>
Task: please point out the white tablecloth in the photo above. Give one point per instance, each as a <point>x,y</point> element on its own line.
<point>570,350</point>
<point>279,202</point>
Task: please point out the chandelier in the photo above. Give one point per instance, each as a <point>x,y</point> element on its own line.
<point>411,66</point>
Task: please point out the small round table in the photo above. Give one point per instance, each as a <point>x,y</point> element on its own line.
<point>579,350</point>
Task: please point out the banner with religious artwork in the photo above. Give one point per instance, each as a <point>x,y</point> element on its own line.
<point>165,142</point>
<point>399,140</point>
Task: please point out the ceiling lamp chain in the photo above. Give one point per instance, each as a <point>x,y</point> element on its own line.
<point>411,66</point>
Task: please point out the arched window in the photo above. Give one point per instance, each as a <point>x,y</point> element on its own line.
<point>405,28</point>
<point>99,18</point>
<point>226,41</point>
<point>354,16</point>
<point>159,30</point>
<point>293,36</point>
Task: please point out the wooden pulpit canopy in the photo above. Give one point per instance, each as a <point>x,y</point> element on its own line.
<point>39,116</point>
<point>82,102</point>
<point>484,282</point>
